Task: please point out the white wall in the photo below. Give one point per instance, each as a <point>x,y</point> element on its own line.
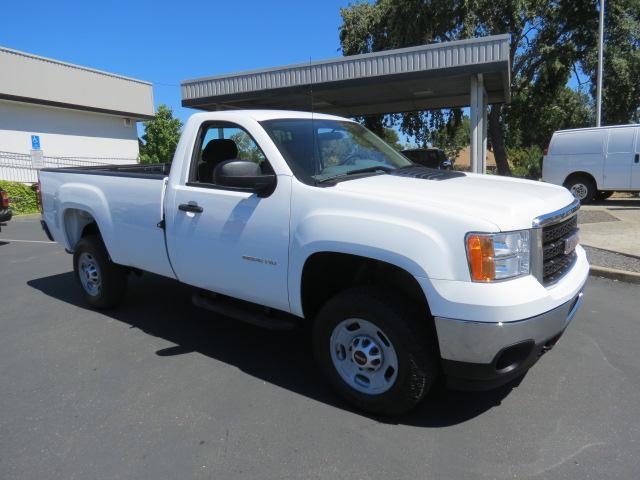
<point>66,133</point>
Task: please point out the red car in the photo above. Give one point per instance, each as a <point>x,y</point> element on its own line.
<point>5,211</point>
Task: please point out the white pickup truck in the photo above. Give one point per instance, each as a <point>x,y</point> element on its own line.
<point>280,218</point>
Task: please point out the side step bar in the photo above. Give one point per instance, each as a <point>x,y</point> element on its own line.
<point>245,312</point>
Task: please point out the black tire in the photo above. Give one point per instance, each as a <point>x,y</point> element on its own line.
<point>112,277</point>
<point>407,329</point>
<point>582,187</point>
<point>600,195</point>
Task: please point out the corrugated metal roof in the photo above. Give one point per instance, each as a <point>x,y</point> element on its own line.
<point>482,54</point>
<point>34,79</point>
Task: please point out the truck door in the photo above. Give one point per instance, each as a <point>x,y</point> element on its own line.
<point>230,242</point>
<point>619,158</point>
<point>635,167</point>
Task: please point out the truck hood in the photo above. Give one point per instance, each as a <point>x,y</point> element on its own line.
<point>509,203</point>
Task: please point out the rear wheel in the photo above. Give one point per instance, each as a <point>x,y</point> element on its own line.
<point>582,187</point>
<point>376,350</point>
<point>103,282</point>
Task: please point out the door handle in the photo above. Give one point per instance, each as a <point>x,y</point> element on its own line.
<point>636,159</point>
<point>190,207</point>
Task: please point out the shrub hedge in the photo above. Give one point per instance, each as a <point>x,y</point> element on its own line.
<point>22,198</point>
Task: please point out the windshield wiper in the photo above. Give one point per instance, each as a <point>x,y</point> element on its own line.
<point>356,172</point>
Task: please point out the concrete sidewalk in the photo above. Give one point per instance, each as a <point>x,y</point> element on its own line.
<point>610,232</point>
<point>613,225</point>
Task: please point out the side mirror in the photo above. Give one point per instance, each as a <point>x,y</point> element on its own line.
<point>243,175</point>
<point>446,165</point>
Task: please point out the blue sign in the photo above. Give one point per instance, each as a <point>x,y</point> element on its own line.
<point>35,142</point>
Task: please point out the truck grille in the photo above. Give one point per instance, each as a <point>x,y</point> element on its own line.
<point>555,263</point>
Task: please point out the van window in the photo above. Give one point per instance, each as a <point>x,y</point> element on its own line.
<point>620,140</point>
<point>580,142</point>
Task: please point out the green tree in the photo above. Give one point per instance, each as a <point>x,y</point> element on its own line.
<point>621,92</point>
<point>161,135</point>
<point>569,109</point>
<point>247,148</point>
<point>526,161</point>
<point>390,136</point>
<point>452,137</point>
<point>550,42</point>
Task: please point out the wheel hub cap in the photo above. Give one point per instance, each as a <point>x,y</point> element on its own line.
<point>579,191</point>
<point>366,353</point>
<point>363,356</point>
<point>89,274</point>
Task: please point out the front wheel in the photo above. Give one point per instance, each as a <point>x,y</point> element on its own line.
<point>103,282</point>
<point>376,350</point>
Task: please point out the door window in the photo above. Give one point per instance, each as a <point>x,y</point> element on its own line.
<point>220,142</point>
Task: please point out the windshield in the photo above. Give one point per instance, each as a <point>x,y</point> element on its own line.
<point>318,150</point>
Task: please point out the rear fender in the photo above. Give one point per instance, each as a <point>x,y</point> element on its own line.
<point>79,205</point>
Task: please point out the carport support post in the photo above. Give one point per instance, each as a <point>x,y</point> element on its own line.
<point>478,120</point>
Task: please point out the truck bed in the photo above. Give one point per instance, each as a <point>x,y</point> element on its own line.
<point>124,200</point>
<point>136,170</point>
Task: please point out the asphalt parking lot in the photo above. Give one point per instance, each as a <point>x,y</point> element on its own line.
<point>160,389</point>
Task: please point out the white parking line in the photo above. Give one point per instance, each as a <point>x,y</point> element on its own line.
<point>24,241</point>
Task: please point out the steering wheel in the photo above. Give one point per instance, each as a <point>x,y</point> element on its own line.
<point>351,158</point>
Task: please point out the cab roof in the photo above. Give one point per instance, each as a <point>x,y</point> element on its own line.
<point>262,115</point>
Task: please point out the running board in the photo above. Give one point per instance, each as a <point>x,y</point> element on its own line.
<point>247,313</point>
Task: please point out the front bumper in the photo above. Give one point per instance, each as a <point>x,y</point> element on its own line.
<point>482,355</point>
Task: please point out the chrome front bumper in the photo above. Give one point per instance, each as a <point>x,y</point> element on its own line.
<point>482,355</point>
<point>480,342</point>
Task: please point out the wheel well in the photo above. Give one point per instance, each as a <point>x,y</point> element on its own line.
<point>327,273</point>
<point>576,175</point>
<point>78,224</point>
<point>90,229</point>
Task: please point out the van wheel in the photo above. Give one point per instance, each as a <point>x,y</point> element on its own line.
<point>376,350</point>
<point>582,188</point>
<point>103,282</point>
<point>600,195</point>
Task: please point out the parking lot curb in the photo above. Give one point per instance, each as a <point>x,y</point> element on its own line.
<point>617,252</point>
<point>612,273</point>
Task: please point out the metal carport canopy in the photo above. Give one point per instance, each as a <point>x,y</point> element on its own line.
<point>473,72</point>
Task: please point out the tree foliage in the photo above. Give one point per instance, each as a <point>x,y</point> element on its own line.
<point>550,43</point>
<point>22,198</point>
<point>526,161</point>
<point>453,136</point>
<point>160,139</point>
<point>390,136</point>
<point>247,148</point>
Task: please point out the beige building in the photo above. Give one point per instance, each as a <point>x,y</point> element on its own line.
<point>463,160</point>
<point>66,114</point>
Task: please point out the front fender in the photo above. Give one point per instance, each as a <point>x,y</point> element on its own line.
<point>413,247</point>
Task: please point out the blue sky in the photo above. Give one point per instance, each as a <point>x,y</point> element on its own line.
<point>165,42</point>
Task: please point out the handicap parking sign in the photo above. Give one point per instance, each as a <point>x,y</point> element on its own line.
<point>35,142</point>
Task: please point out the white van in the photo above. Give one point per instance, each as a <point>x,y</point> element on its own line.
<point>594,162</point>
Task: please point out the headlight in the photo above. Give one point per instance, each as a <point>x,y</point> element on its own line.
<point>498,256</point>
